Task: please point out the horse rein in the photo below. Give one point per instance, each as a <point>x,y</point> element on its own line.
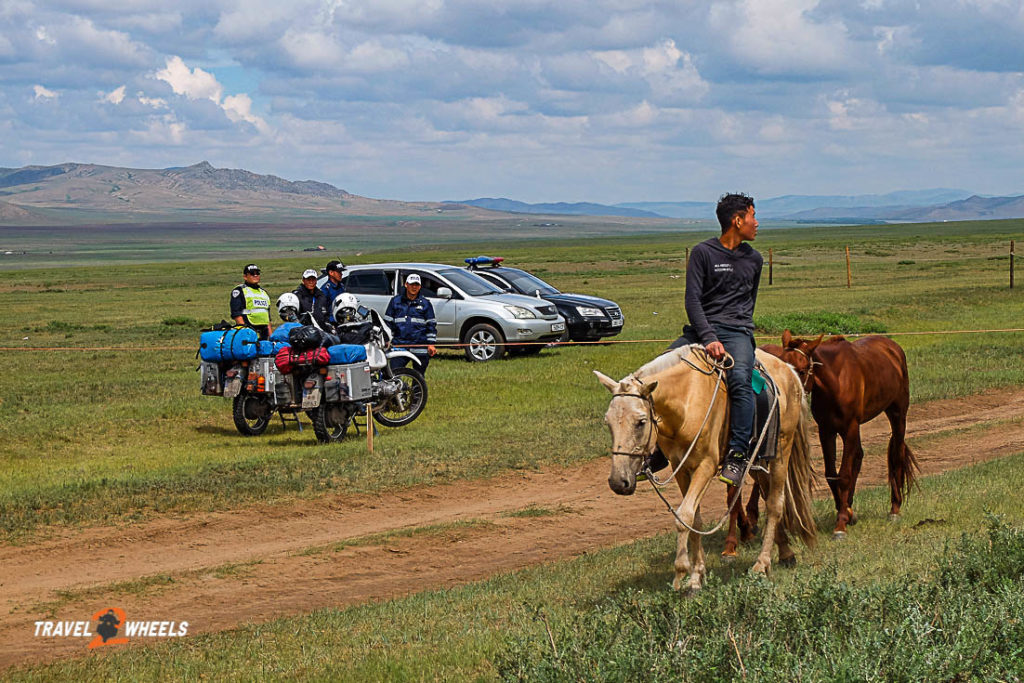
<point>808,382</point>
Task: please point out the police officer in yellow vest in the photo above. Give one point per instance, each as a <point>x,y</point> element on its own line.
<point>250,303</point>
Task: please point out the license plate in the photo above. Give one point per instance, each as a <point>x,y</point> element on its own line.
<point>310,399</point>
<point>558,327</point>
<point>617,322</point>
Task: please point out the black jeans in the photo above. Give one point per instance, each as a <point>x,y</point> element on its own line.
<point>739,342</point>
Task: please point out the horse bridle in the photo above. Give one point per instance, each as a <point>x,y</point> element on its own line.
<point>652,428</point>
<point>811,364</point>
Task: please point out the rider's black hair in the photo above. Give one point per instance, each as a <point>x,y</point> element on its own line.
<point>729,205</point>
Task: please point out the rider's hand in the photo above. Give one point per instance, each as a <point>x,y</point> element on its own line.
<point>431,350</point>
<point>716,350</point>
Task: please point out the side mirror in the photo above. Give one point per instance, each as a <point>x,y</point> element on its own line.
<point>444,293</point>
<point>536,293</point>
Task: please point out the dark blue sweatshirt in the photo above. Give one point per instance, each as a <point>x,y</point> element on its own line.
<point>721,287</point>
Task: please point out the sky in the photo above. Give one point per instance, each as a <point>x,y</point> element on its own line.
<point>563,100</point>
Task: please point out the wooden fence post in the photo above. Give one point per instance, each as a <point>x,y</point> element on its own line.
<point>687,258</point>
<point>848,279</point>
<point>1011,264</point>
<point>771,263</point>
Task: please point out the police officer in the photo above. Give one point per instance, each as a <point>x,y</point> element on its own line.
<point>250,303</point>
<point>411,319</point>
<point>311,299</point>
<point>335,270</point>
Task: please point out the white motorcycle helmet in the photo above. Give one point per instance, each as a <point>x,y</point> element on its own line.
<point>345,308</point>
<point>288,307</point>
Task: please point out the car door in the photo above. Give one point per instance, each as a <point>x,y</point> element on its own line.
<point>373,286</point>
<point>444,309</point>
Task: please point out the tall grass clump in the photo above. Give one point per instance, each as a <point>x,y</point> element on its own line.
<point>816,323</point>
<point>961,621</point>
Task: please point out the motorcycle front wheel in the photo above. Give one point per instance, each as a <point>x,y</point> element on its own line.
<point>407,404</point>
<point>251,414</point>
<point>330,421</point>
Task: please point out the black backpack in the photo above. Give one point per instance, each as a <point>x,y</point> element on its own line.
<point>305,337</point>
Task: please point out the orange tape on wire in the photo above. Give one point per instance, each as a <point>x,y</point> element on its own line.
<point>459,346</point>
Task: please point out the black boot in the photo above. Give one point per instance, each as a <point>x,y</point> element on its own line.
<point>733,469</point>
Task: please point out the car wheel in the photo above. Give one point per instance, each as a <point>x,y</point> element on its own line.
<point>483,343</point>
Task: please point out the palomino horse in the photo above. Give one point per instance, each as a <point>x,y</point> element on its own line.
<point>669,403</point>
<point>851,383</point>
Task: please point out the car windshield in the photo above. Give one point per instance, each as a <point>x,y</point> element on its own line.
<point>469,283</point>
<point>526,283</point>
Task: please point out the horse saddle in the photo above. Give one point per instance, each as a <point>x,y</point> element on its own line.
<point>765,418</point>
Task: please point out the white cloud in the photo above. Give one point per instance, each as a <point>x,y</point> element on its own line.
<point>115,96</point>
<point>43,36</point>
<point>43,93</point>
<point>239,108</point>
<point>192,83</point>
<point>154,102</point>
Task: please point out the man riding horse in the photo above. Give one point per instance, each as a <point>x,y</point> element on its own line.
<point>721,289</point>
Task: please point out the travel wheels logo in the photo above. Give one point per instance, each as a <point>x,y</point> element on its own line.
<point>110,626</point>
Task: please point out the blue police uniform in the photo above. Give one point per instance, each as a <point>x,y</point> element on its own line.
<point>332,291</point>
<point>412,322</point>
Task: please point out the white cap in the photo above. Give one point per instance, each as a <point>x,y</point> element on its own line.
<point>308,272</point>
<point>413,279</point>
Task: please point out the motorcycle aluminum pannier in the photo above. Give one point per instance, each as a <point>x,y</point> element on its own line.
<point>350,382</point>
<point>263,376</point>
<point>210,380</point>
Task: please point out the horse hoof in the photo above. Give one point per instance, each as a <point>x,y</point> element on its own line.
<point>894,518</point>
<point>838,535</point>
<point>853,518</point>
<point>692,591</point>
<point>787,562</point>
<point>728,557</point>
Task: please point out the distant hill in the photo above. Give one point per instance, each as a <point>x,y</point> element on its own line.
<point>557,208</point>
<point>81,193</point>
<point>971,208</point>
<point>788,205</point>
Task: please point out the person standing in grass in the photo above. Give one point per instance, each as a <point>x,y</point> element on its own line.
<point>311,299</point>
<point>250,303</point>
<point>411,319</point>
<point>333,288</point>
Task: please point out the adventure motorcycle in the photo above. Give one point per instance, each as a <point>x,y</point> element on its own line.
<point>330,394</point>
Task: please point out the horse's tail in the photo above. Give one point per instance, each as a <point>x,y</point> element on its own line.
<point>798,517</point>
<point>903,466</point>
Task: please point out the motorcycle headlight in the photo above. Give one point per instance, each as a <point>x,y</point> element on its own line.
<point>588,312</point>
<point>520,312</point>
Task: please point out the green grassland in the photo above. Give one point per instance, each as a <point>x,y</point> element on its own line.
<point>110,436</point>
<point>938,596</point>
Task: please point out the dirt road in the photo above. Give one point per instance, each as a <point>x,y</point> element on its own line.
<point>255,564</point>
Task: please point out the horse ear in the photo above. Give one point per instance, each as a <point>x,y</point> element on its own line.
<point>610,384</point>
<point>786,338</point>
<point>814,344</point>
<point>648,389</point>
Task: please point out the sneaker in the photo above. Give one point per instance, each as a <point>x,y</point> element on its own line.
<point>733,469</point>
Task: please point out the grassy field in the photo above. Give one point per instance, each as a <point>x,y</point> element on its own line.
<point>936,597</point>
<point>104,436</point>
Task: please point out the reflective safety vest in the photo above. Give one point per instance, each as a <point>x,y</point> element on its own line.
<point>257,305</point>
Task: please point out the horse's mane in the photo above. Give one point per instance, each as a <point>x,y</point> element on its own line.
<point>669,359</point>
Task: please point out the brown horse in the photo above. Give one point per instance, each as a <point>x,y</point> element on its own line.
<point>851,383</point>
<point>671,403</point>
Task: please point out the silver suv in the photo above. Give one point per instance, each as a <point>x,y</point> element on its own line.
<point>469,309</point>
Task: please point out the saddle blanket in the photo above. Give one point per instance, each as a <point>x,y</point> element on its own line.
<point>764,396</point>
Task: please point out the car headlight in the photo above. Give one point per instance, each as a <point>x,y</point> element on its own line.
<point>588,312</point>
<point>520,312</point>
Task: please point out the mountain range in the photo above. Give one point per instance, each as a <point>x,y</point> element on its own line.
<point>74,193</point>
